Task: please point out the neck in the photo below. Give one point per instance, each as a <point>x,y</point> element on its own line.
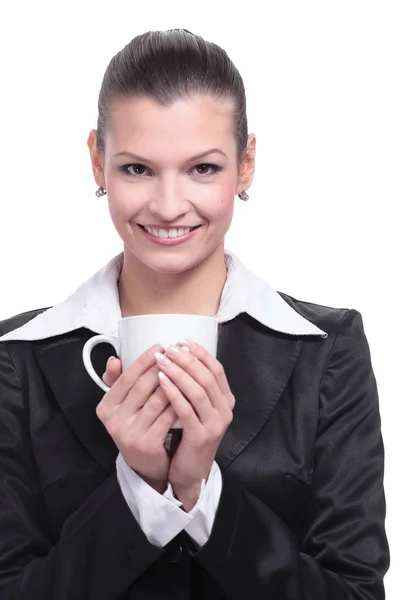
<point>194,291</point>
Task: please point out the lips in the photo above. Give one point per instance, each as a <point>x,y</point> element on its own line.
<point>167,228</point>
<point>167,241</point>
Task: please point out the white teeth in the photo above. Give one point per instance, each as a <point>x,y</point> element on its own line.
<point>171,233</point>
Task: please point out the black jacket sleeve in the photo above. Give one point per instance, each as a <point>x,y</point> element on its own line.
<point>252,553</point>
<point>101,550</point>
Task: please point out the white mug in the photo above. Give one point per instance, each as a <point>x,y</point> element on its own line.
<point>138,333</point>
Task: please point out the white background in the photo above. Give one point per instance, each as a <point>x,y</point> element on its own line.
<point>322,81</point>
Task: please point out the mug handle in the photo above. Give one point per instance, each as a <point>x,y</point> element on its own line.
<point>87,351</point>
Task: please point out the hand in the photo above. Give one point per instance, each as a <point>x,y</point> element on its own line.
<point>138,416</point>
<point>196,386</point>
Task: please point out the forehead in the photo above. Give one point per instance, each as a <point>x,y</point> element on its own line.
<point>196,121</point>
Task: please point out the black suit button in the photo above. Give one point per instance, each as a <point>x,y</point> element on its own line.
<point>174,554</point>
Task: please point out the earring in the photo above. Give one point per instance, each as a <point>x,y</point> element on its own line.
<point>100,192</point>
<point>243,196</point>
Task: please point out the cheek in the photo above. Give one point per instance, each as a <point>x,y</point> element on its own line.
<point>224,205</point>
<point>122,203</point>
<point>217,207</point>
<point>116,210</point>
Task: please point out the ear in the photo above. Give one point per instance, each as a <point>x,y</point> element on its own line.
<point>247,166</point>
<point>96,158</point>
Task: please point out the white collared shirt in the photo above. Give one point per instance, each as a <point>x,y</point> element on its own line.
<point>95,306</point>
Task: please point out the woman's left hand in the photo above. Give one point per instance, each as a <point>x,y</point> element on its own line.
<point>199,393</point>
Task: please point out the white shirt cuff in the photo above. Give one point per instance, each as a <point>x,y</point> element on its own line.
<point>160,516</point>
<point>205,510</point>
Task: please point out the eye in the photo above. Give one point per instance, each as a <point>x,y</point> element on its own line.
<point>206,167</point>
<point>137,169</point>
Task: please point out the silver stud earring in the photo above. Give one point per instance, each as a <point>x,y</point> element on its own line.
<point>100,192</point>
<point>243,196</point>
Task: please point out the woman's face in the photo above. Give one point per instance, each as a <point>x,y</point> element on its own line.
<point>171,168</point>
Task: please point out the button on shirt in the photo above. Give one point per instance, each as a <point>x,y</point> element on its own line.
<point>95,306</point>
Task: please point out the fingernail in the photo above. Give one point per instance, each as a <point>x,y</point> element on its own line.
<point>188,343</point>
<point>173,350</point>
<point>163,378</point>
<point>169,347</point>
<point>161,358</point>
<point>155,348</point>
<point>108,362</point>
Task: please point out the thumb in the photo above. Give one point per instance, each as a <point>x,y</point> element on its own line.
<point>113,371</point>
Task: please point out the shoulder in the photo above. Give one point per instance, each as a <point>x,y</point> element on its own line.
<point>328,318</point>
<point>15,321</point>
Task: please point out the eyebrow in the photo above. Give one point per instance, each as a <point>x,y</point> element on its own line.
<point>196,157</point>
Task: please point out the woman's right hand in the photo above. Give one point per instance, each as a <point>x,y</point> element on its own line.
<point>138,416</point>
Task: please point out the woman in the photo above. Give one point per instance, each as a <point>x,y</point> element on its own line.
<point>275,490</point>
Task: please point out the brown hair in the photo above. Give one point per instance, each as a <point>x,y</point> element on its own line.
<point>168,65</point>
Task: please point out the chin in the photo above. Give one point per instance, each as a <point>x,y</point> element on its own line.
<point>172,260</point>
<point>170,265</point>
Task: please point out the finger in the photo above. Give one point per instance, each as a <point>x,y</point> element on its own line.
<point>159,429</point>
<point>152,409</point>
<point>184,410</point>
<point>143,410</point>
<point>137,396</point>
<point>153,419</point>
<point>197,383</point>
<point>113,371</point>
<point>118,392</point>
<point>211,363</point>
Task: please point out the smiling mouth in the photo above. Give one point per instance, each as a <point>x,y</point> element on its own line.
<point>169,227</point>
<point>170,236</point>
<point>166,231</point>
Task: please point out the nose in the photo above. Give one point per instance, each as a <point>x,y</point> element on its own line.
<point>168,202</point>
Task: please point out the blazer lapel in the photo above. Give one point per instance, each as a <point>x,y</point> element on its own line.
<point>76,393</point>
<point>258,362</point>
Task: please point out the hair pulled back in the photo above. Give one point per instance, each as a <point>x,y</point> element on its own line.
<point>170,65</point>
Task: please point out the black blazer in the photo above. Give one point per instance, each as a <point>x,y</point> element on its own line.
<point>301,514</point>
